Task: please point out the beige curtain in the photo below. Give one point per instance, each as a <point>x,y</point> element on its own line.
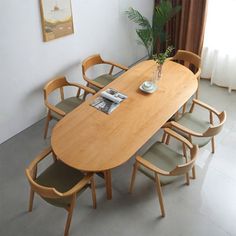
<point>186,29</point>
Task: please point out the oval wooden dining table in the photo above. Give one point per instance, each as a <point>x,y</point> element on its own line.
<point>90,140</point>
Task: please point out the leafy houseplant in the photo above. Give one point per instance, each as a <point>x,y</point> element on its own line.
<point>151,34</point>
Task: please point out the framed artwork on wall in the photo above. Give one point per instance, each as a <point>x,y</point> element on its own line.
<point>57,20</point>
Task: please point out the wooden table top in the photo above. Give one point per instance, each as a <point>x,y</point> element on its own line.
<point>90,140</point>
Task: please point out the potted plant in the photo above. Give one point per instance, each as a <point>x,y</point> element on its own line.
<point>149,34</point>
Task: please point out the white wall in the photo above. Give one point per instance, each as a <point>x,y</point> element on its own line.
<point>27,63</point>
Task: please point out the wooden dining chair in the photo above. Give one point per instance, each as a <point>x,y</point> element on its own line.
<point>163,164</point>
<point>58,184</point>
<point>65,105</point>
<point>191,61</point>
<point>102,80</point>
<point>197,129</point>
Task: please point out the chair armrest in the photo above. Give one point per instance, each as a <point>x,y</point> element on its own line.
<point>116,65</point>
<point>87,89</point>
<point>174,124</point>
<point>178,136</point>
<point>79,185</point>
<point>55,109</point>
<point>39,158</point>
<point>206,106</point>
<point>150,166</point>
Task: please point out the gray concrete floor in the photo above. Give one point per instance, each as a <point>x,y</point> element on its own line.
<point>206,207</point>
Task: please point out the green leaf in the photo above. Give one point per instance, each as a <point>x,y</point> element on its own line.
<point>162,14</point>
<point>148,34</point>
<point>137,18</point>
<point>145,30</point>
<point>161,57</point>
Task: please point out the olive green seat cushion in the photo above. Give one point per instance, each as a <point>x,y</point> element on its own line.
<point>164,158</point>
<point>104,80</point>
<point>62,178</point>
<point>197,124</point>
<point>67,105</point>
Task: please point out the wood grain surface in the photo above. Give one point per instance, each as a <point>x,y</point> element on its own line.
<point>90,140</point>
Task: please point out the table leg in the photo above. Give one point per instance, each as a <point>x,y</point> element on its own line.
<point>107,176</point>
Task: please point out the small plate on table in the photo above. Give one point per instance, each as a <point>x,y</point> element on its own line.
<point>148,87</point>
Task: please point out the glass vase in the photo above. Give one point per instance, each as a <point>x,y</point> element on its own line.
<point>157,73</point>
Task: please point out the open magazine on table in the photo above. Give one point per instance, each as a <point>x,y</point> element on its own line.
<point>108,100</point>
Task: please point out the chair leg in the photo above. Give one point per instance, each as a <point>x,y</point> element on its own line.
<point>164,137</point>
<point>46,125</point>
<point>69,217</point>
<point>168,139</point>
<point>176,115</point>
<point>31,200</point>
<point>193,172</point>
<point>159,192</point>
<point>135,167</point>
<point>93,193</point>
<point>213,144</point>
<point>85,95</point>
<point>184,108</point>
<point>187,178</point>
<point>197,93</point>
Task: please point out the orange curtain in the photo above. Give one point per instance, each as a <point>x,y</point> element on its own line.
<point>186,29</point>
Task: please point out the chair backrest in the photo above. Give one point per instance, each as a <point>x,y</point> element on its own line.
<point>189,59</point>
<point>91,61</point>
<point>186,167</point>
<point>52,85</point>
<point>43,191</point>
<point>31,174</point>
<point>214,130</point>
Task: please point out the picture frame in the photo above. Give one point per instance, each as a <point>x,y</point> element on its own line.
<point>57,19</point>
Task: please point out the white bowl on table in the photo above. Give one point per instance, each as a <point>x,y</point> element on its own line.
<point>148,87</point>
